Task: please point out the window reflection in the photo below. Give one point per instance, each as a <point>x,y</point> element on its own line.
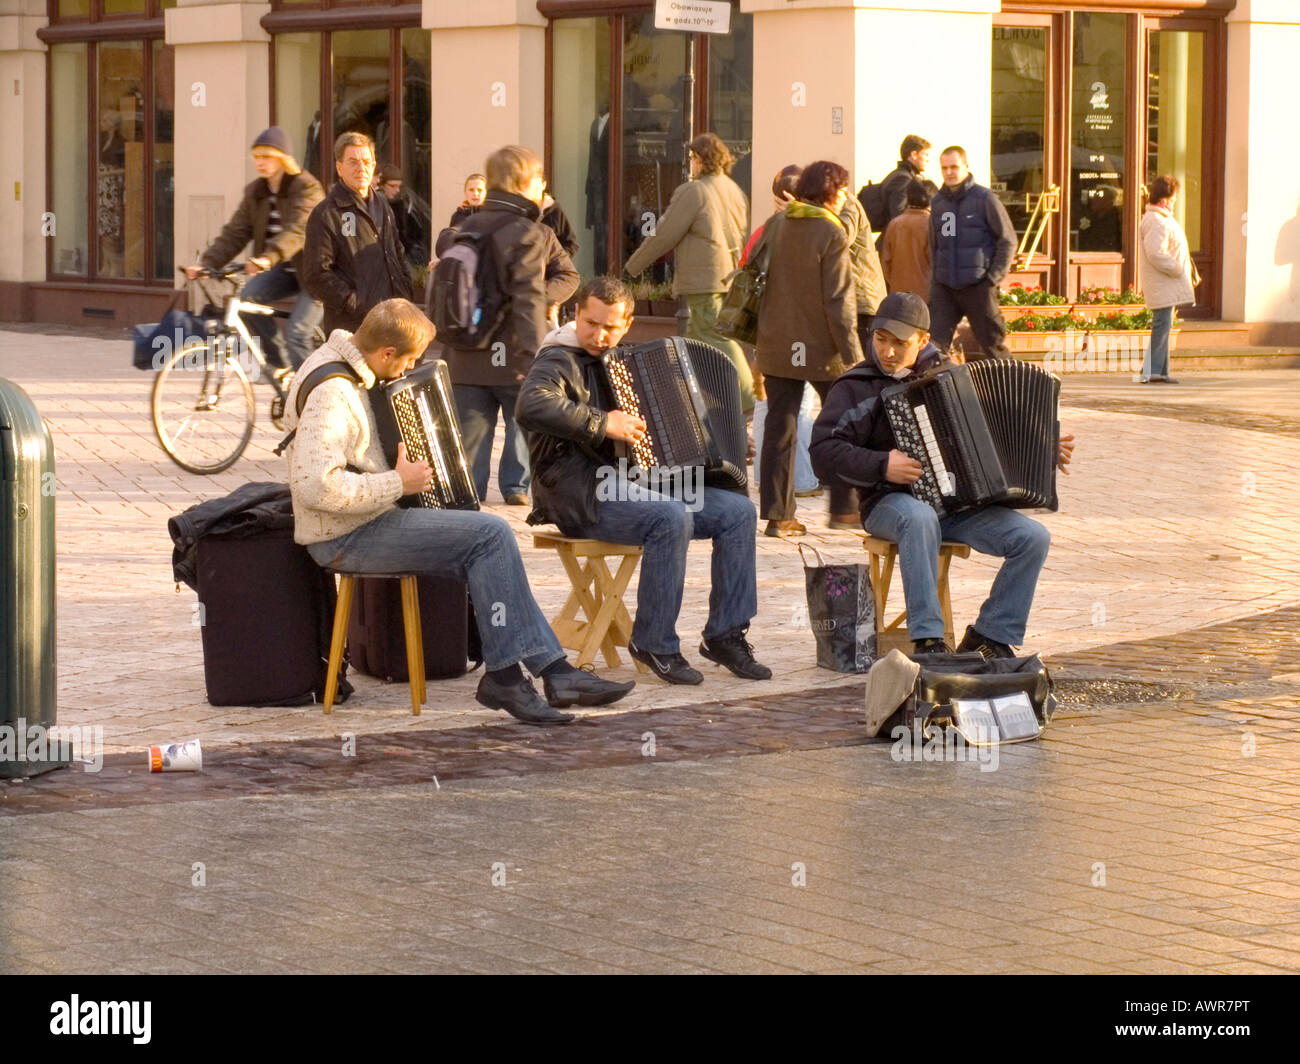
<point>1175,118</point>
<point>69,107</point>
<point>1097,151</point>
<point>731,94</point>
<point>654,144</point>
<point>297,97</point>
<point>164,108</point>
<point>361,90</point>
<point>580,136</point>
<point>1019,118</point>
<point>119,184</point>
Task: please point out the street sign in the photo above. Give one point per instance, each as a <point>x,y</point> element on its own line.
<point>694,16</point>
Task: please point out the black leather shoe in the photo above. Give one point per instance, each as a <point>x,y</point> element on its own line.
<point>733,651</point>
<point>930,646</point>
<point>973,642</point>
<point>520,700</point>
<point>583,689</point>
<point>672,668</point>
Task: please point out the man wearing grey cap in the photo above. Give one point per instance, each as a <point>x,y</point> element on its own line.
<point>853,442</point>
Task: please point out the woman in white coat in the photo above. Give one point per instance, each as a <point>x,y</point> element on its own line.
<point>1167,273</point>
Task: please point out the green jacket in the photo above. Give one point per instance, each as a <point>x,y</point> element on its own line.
<point>705,224</point>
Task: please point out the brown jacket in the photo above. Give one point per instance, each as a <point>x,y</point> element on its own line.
<point>807,327</point>
<point>705,224</point>
<point>536,273</point>
<point>298,194</point>
<point>906,252</point>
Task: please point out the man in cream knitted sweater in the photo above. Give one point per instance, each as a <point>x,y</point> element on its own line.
<point>345,511</point>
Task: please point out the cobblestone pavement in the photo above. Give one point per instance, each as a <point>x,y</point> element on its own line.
<point>732,827</point>
<point>1166,524</point>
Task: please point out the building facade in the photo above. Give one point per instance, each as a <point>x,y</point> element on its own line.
<point>130,120</point>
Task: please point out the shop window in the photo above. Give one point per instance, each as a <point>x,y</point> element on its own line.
<point>414,142</point>
<point>123,7</point>
<point>654,142</point>
<point>1099,113</point>
<point>361,86</point>
<point>119,160</point>
<point>164,196</point>
<point>69,176</point>
<point>1176,119</point>
<point>297,97</point>
<point>1019,129</point>
<point>731,95</point>
<point>580,144</point>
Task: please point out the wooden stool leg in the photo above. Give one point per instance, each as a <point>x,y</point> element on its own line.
<point>414,642</point>
<point>342,611</point>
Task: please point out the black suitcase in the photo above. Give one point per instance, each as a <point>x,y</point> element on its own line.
<point>377,636</point>
<point>266,610</point>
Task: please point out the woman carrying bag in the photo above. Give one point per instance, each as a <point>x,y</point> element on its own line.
<point>1168,275</point>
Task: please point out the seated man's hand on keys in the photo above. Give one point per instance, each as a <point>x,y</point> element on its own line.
<point>901,469</point>
<point>620,425</point>
<point>416,476</point>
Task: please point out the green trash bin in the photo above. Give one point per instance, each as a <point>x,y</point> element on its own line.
<point>27,666</point>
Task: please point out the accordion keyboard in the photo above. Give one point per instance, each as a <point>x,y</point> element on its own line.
<point>912,442</point>
<point>620,377</point>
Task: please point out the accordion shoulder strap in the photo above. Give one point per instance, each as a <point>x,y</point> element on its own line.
<point>316,377</point>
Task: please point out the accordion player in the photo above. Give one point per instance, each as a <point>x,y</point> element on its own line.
<point>985,434</point>
<point>425,416</point>
<point>687,393</point>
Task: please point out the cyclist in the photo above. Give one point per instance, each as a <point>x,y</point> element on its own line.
<point>273,215</point>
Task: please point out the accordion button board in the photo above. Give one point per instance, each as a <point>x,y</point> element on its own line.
<point>426,421</point>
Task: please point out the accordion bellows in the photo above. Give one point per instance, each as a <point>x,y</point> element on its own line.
<point>688,394</point>
<point>426,421</point>
<point>985,434</point>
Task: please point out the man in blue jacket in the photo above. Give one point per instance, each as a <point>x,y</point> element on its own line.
<point>853,442</point>
<point>972,243</point>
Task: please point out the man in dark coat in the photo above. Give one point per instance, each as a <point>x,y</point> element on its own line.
<point>537,274</point>
<point>913,158</point>
<point>972,244</point>
<point>272,216</point>
<point>412,220</point>
<point>353,257</point>
<point>583,485</point>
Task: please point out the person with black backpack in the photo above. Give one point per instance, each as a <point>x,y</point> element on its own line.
<point>886,201</point>
<point>498,273</point>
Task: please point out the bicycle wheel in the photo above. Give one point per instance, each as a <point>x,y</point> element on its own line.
<point>203,408</point>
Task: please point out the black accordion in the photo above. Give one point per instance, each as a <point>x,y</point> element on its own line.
<point>425,419</point>
<point>688,394</point>
<point>986,434</point>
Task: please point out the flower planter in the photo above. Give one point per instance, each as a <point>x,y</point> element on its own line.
<point>1091,311</point>
<point>663,308</point>
<point>1085,351</point>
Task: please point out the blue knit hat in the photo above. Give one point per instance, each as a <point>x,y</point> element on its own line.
<point>277,140</point>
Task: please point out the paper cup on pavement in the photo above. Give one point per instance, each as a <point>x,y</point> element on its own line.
<point>176,757</point>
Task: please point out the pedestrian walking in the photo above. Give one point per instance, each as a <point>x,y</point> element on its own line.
<point>537,276</point>
<point>905,253</point>
<point>272,216</point>
<point>705,226</point>
<point>972,244</point>
<point>353,258</point>
<point>868,275</point>
<point>807,332</point>
<point>1168,275</point>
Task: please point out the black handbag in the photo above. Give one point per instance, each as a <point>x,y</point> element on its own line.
<point>738,317</point>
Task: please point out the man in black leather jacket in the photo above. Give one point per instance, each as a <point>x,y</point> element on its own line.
<point>582,484</point>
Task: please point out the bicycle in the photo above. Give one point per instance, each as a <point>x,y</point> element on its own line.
<point>204,420</point>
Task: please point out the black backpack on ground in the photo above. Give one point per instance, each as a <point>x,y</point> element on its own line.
<point>468,291</point>
<point>377,634</point>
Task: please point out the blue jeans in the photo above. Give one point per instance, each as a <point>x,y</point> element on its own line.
<point>804,477</point>
<point>1155,363</point>
<point>270,286</point>
<point>475,547</point>
<point>476,410</point>
<point>665,527</point>
<point>995,530</point>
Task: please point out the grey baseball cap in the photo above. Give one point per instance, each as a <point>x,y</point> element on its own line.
<point>902,314</point>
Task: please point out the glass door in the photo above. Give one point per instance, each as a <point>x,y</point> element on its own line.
<point>1177,121</point>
